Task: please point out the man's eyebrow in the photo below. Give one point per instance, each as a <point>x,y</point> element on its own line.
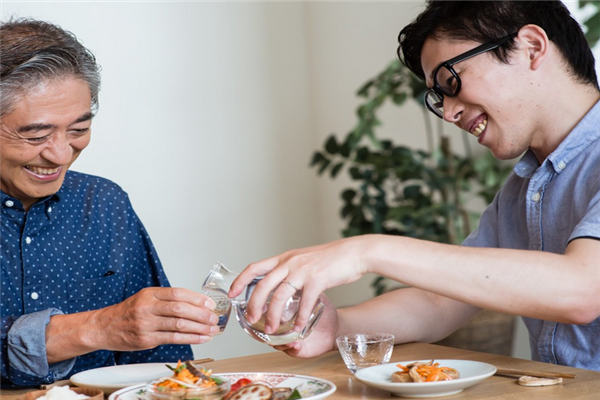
<point>85,117</point>
<point>35,127</point>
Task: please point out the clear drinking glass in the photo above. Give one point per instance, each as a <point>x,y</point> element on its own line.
<point>362,350</point>
<point>219,281</point>
<point>222,309</point>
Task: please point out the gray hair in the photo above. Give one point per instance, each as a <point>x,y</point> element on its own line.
<point>34,52</point>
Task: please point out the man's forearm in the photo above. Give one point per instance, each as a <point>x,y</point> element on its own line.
<point>504,280</point>
<point>410,314</point>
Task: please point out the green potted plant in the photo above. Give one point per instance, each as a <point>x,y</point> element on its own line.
<point>419,193</point>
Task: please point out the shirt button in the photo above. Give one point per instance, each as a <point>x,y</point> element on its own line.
<point>562,165</point>
<point>536,197</point>
<point>35,296</point>
<point>9,203</point>
<point>49,209</point>
<point>27,240</point>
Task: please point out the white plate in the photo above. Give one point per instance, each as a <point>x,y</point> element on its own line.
<point>109,379</point>
<point>310,388</point>
<point>471,373</point>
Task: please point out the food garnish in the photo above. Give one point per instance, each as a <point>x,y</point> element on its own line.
<point>424,372</point>
<point>239,383</point>
<point>188,376</point>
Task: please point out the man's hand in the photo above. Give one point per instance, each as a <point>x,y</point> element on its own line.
<point>322,338</point>
<point>154,316</point>
<point>312,270</point>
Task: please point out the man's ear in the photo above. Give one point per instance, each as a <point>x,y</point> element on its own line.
<point>535,42</point>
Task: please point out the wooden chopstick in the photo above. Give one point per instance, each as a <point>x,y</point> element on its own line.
<point>202,360</point>
<point>539,374</point>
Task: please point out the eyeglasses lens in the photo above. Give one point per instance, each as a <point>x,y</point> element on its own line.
<point>435,103</point>
<point>447,81</point>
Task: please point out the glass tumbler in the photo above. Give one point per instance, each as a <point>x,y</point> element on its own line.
<point>362,350</point>
<point>222,309</point>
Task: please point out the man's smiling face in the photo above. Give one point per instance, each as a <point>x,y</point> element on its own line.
<point>42,136</point>
<point>491,102</point>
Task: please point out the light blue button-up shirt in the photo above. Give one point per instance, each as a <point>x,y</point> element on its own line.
<point>544,207</point>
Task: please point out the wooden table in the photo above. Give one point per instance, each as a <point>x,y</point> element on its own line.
<point>331,367</point>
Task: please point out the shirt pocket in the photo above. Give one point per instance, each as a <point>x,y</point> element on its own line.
<point>95,293</point>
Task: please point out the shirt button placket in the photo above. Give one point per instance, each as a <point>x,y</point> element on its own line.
<point>534,209</point>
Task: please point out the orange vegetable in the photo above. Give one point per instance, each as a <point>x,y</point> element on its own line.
<point>182,374</point>
<point>402,367</point>
<point>429,373</point>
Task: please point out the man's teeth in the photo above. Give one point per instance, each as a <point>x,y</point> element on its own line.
<point>42,171</point>
<point>479,128</point>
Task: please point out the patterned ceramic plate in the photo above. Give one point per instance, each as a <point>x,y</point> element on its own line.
<point>309,388</point>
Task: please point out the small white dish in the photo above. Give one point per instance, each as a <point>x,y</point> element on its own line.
<point>309,387</point>
<point>471,373</point>
<point>110,379</point>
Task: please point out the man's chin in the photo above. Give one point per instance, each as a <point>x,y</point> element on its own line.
<point>41,191</point>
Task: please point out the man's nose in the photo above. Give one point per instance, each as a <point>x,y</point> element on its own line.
<point>452,109</point>
<point>59,150</point>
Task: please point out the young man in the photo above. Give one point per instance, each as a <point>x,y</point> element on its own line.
<point>520,76</point>
<point>82,285</point>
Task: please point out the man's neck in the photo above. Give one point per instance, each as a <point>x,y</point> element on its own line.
<point>565,114</point>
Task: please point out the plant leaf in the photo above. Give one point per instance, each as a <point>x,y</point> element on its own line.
<point>331,146</point>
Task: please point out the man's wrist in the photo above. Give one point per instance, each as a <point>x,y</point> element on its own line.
<point>70,335</point>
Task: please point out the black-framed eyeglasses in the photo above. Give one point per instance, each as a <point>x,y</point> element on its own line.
<point>446,81</point>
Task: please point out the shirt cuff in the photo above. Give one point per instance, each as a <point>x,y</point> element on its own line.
<point>27,347</point>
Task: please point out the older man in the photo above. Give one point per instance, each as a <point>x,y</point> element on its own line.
<point>82,285</point>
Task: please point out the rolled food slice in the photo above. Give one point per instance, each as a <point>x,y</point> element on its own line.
<point>256,391</point>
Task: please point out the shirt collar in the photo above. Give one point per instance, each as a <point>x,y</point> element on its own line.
<point>581,137</point>
<point>578,140</point>
<point>527,165</point>
<point>10,202</point>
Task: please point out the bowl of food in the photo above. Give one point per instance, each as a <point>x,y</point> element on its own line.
<point>426,378</point>
<point>65,393</point>
<point>229,386</point>
<point>189,382</point>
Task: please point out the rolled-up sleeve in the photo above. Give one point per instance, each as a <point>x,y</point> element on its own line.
<point>26,350</point>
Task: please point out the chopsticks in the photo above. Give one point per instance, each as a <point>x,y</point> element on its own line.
<point>540,374</point>
<point>202,360</point>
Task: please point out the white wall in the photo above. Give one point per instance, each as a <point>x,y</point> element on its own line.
<point>204,120</point>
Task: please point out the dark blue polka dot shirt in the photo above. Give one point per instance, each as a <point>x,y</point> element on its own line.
<point>81,249</point>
